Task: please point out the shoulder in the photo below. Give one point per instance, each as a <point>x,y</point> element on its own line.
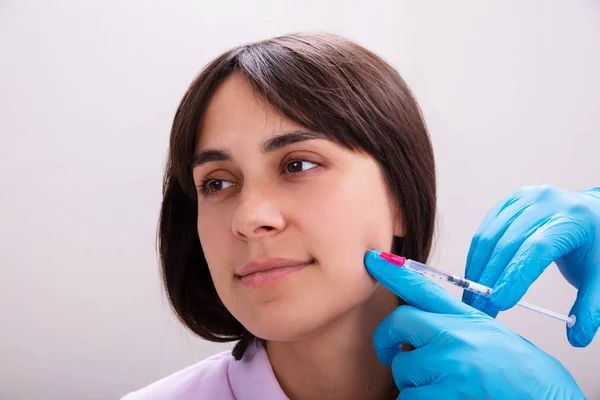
<point>207,379</point>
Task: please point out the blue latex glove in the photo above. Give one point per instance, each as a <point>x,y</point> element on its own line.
<point>460,352</point>
<point>523,234</point>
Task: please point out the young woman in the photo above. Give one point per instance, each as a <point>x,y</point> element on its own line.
<point>288,159</point>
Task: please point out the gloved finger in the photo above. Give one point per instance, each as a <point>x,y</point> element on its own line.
<point>586,310</point>
<point>413,287</point>
<point>491,215</point>
<point>415,368</point>
<point>406,324</point>
<point>524,225</point>
<point>485,239</point>
<point>429,392</point>
<point>559,236</point>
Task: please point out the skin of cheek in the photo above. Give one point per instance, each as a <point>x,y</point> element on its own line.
<point>217,240</point>
<point>333,223</point>
<point>347,219</point>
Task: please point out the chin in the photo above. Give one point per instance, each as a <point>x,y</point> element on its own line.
<point>290,312</point>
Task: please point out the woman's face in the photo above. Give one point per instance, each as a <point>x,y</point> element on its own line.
<point>268,190</point>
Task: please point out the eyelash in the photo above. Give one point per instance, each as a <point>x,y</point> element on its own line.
<point>203,186</point>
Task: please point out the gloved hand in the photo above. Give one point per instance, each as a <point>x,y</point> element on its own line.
<point>523,234</point>
<point>460,352</point>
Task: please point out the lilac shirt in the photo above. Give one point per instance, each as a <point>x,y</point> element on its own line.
<point>218,377</point>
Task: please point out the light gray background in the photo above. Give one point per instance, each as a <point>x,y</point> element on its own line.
<point>88,90</point>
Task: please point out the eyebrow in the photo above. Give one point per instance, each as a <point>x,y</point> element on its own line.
<point>269,146</point>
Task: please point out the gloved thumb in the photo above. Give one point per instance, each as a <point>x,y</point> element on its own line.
<point>586,310</point>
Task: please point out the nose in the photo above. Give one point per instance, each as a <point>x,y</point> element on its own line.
<point>256,216</point>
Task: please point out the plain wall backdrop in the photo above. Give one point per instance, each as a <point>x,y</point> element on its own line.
<point>88,90</point>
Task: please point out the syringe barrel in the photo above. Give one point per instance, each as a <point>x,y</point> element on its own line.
<point>470,286</point>
<point>443,275</point>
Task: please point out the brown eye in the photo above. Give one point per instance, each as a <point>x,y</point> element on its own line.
<point>213,186</point>
<point>299,166</point>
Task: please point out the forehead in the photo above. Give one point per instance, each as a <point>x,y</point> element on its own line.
<point>237,113</point>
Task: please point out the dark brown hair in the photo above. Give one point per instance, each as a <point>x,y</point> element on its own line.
<point>327,84</point>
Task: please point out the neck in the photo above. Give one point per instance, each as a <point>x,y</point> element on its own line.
<point>339,362</point>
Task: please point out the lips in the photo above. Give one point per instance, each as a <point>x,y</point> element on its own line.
<point>260,273</point>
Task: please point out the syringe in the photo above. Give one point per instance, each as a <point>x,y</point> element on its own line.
<point>466,284</point>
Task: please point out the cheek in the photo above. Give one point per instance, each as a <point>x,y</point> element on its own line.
<point>345,221</point>
<point>214,236</point>
<point>210,228</point>
<point>350,218</point>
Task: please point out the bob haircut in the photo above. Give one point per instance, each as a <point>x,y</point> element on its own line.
<point>327,84</point>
